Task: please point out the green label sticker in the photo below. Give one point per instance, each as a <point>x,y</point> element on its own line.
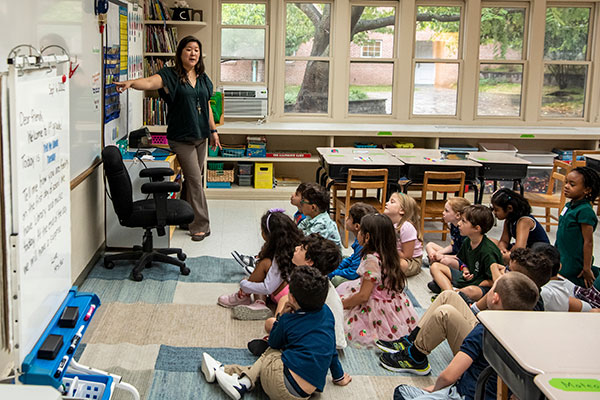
<point>336,155</point>
<point>575,385</point>
<point>481,159</point>
<point>528,135</point>
<point>383,133</point>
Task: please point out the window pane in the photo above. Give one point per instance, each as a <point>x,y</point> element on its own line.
<point>243,71</point>
<point>242,44</point>
<point>435,88</point>
<point>243,14</point>
<point>501,34</point>
<point>564,90</point>
<point>500,90</point>
<point>370,88</point>
<point>440,27</point>
<point>306,36</point>
<point>566,33</point>
<point>381,32</point>
<point>306,86</point>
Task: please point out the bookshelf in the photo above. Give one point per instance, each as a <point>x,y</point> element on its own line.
<point>161,35</point>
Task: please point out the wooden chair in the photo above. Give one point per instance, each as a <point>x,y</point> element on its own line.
<point>551,200</point>
<point>431,209</point>
<point>360,179</point>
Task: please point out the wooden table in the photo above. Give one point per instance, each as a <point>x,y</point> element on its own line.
<point>417,161</point>
<point>593,161</point>
<point>336,161</point>
<point>499,167</point>
<point>520,345</point>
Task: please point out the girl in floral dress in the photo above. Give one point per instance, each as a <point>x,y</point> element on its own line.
<point>375,306</point>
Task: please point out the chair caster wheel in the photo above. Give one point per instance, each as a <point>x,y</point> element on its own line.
<point>109,264</point>
<point>184,271</point>
<point>181,256</point>
<point>137,277</point>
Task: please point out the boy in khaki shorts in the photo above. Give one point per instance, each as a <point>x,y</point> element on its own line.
<point>302,347</point>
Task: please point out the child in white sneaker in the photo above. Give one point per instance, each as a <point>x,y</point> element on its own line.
<point>272,270</point>
<point>302,347</point>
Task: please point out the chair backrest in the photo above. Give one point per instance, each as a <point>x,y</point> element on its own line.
<point>443,182</point>
<point>367,179</point>
<point>121,192</point>
<point>579,153</point>
<point>555,177</point>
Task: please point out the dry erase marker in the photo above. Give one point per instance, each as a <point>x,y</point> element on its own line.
<point>90,312</point>
<point>61,366</point>
<point>75,340</point>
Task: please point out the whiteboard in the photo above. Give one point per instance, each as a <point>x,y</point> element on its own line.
<point>72,25</point>
<point>40,221</point>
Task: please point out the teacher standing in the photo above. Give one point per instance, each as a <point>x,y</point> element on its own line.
<point>187,90</point>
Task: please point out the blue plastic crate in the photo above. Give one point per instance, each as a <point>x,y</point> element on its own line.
<point>218,185</point>
<point>231,151</point>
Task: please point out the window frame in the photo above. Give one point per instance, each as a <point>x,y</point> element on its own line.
<point>460,59</point>
<point>376,60</point>
<point>373,42</point>
<point>220,26</point>
<point>524,61</point>
<point>588,62</point>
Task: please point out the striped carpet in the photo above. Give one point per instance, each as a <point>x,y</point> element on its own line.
<point>153,334</point>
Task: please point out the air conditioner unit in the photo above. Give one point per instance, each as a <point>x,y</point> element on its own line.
<point>245,102</point>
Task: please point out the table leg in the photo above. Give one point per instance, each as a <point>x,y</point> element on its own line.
<point>502,390</point>
<point>318,174</point>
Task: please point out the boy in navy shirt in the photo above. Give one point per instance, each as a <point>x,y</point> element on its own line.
<point>346,271</point>
<point>512,291</point>
<point>302,347</point>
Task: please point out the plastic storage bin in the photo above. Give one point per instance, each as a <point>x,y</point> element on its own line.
<point>245,180</point>
<point>538,157</point>
<point>506,148</point>
<point>91,387</point>
<point>459,147</point>
<point>537,179</point>
<point>245,168</point>
<point>263,175</point>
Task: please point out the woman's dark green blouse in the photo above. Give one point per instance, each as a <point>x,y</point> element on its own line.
<point>184,122</point>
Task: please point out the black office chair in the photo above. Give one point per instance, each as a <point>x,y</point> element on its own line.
<point>152,213</point>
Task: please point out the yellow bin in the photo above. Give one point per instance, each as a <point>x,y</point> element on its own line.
<point>263,175</point>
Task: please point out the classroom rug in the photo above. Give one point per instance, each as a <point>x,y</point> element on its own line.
<point>153,334</point>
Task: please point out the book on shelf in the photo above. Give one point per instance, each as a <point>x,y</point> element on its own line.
<point>155,111</point>
<point>289,154</point>
<point>156,10</point>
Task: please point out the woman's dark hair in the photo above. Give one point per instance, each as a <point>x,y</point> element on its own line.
<point>591,180</point>
<point>181,72</point>
<point>505,197</point>
<point>282,237</point>
<point>382,240</point>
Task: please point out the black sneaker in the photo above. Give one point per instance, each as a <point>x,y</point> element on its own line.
<point>393,346</point>
<point>434,287</point>
<point>258,346</point>
<point>403,362</point>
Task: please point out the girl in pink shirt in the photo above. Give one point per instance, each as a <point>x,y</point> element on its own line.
<point>404,213</point>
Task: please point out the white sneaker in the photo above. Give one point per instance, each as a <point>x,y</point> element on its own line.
<point>230,384</point>
<point>248,263</point>
<point>209,366</point>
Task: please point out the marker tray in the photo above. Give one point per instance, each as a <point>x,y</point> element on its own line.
<point>91,387</point>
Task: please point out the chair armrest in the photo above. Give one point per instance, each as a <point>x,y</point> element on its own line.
<point>156,174</point>
<point>160,187</point>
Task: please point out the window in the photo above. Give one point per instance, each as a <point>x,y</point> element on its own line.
<point>372,48</point>
<point>307,57</point>
<point>437,60</point>
<point>566,61</point>
<point>243,42</point>
<point>501,61</point>
<point>372,36</point>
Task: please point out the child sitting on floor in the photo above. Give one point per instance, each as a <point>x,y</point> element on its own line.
<point>404,213</point>
<point>376,306</point>
<point>272,271</point>
<point>248,263</point>
<point>315,204</point>
<point>346,271</point>
<point>477,253</point>
<point>302,347</point>
<point>322,254</point>
<point>513,291</point>
<point>519,224</point>
<point>453,209</point>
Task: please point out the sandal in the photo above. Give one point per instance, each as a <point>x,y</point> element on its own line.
<point>198,237</point>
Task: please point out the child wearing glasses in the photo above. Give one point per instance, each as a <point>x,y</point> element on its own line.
<point>314,204</point>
